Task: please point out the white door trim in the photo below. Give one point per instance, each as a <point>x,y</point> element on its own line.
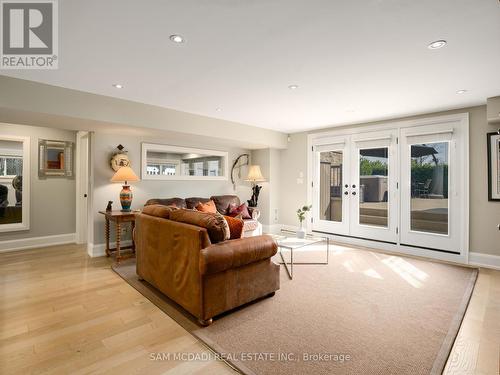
<point>82,186</point>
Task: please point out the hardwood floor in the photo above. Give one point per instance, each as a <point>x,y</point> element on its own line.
<point>64,313</point>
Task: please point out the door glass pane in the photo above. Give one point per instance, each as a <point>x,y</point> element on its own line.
<point>330,185</point>
<point>373,186</point>
<point>429,187</point>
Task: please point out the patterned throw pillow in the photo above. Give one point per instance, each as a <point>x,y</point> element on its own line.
<point>235,227</point>
<point>206,207</point>
<point>242,210</point>
<point>225,226</point>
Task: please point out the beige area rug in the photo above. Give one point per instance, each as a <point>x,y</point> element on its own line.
<point>364,313</point>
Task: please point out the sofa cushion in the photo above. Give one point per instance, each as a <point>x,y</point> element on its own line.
<point>214,225</point>
<point>222,202</point>
<point>193,201</point>
<point>206,207</point>
<point>159,210</point>
<point>177,202</point>
<point>239,211</point>
<point>235,227</point>
<point>233,254</point>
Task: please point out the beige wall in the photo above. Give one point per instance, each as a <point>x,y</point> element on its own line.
<point>104,190</point>
<point>484,215</point>
<point>52,210</point>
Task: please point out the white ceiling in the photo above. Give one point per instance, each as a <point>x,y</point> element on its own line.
<point>354,61</point>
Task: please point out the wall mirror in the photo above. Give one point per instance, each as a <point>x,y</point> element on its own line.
<point>14,183</point>
<point>164,162</point>
<point>55,158</point>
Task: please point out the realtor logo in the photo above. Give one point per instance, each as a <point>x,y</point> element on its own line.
<point>29,37</point>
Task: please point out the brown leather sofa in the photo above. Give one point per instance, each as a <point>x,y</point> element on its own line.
<point>176,255</point>
<point>251,227</point>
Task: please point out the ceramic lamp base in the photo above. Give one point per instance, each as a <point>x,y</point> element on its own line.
<point>126,198</point>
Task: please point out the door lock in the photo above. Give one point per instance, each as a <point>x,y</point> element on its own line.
<point>345,192</point>
<point>354,186</point>
<point>353,193</point>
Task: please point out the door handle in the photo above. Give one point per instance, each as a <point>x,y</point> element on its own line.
<point>354,186</point>
<point>353,193</point>
<point>346,192</point>
<point>346,185</point>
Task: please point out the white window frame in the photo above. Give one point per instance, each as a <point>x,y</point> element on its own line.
<point>145,147</point>
<point>25,223</point>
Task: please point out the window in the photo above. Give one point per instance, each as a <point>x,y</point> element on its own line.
<point>165,162</point>
<point>11,166</point>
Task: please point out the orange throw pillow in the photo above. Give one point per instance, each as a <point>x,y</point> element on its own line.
<point>235,227</point>
<point>206,207</point>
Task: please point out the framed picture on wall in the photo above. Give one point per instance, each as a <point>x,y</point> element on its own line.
<point>493,166</point>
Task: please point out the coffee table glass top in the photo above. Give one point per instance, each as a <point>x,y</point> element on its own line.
<point>289,240</point>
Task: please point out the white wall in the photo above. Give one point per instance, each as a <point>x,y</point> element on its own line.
<point>53,199</point>
<point>484,215</point>
<point>104,190</point>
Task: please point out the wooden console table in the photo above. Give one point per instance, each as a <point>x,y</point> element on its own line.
<point>119,217</point>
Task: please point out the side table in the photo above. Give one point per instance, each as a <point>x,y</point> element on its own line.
<point>119,217</point>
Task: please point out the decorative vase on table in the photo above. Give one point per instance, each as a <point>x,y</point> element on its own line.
<point>125,174</point>
<point>301,232</point>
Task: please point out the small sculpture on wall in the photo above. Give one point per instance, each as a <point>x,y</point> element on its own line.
<point>109,207</point>
<point>119,158</point>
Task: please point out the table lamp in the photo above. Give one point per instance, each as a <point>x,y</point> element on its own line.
<point>254,176</point>
<point>125,174</point>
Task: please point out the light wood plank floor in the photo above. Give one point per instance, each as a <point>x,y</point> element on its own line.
<point>64,313</point>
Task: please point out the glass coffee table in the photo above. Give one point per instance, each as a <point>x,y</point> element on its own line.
<point>288,240</point>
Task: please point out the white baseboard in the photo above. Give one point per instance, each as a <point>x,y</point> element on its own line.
<point>99,250</point>
<point>34,242</point>
<point>484,260</point>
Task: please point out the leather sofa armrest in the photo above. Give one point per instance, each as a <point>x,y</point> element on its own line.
<point>254,212</point>
<point>236,253</point>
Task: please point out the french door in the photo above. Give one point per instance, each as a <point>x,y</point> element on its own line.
<point>354,186</point>
<point>431,188</point>
<point>407,186</point>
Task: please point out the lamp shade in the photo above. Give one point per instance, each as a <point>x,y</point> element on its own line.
<point>254,174</point>
<point>124,174</point>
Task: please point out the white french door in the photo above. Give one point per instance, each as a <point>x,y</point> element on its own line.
<point>331,182</point>
<point>431,188</point>
<point>374,195</point>
<point>354,186</point>
<point>406,185</point>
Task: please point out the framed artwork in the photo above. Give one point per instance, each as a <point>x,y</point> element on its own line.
<point>493,166</point>
<point>55,159</point>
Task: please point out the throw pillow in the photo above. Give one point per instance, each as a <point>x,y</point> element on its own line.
<point>206,220</point>
<point>235,227</point>
<point>225,226</point>
<point>207,207</point>
<point>241,209</point>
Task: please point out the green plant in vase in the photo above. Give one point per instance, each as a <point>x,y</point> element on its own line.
<point>301,214</point>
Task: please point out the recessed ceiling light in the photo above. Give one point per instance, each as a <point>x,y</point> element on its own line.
<point>176,38</point>
<point>461,91</point>
<point>293,87</point>
<point>218,109</point>
<point>437,44</point>
<point>117,85</point>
